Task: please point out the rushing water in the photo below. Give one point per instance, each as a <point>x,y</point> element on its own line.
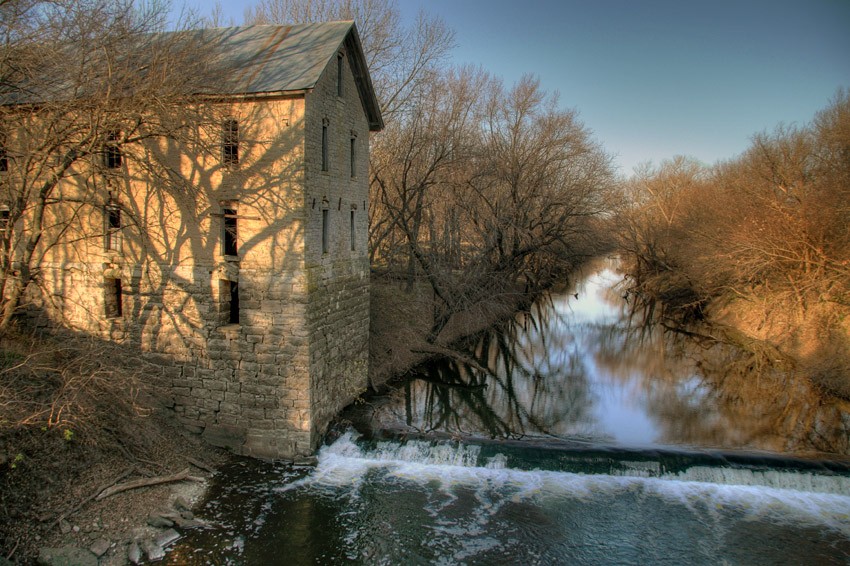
<point>589,439</point>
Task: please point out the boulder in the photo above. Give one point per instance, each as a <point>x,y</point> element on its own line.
<point>134,553</point>
<point>167,537</point>
<point>100,547</point>
<point>159,522</point>
<point>152,550</point>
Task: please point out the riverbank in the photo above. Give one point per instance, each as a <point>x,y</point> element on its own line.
<point>816,339</point>
<point>87,416</point>
<point>79,417</point>
<point>810,335</point>
<point>401,319</point>
<point>757,244</point>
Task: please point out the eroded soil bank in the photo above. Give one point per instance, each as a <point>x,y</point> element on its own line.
<point>79,416</point>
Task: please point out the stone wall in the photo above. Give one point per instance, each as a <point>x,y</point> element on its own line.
<point>268,385</point>
<point>338,269</point>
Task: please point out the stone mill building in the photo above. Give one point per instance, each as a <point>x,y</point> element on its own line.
<point>253,288</point>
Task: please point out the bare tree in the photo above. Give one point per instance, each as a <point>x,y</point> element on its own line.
<point>766,232</point>
<point>488,193</point>
<point>402,59</point>
<point>433,140</point>
<point>84,85</point>
<point>474,189</point>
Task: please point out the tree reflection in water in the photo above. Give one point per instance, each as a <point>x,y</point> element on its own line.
<point>591,367</point>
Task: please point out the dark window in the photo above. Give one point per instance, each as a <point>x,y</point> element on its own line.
<point>112,298</point>
<point>4,227</point>
<point>229,296</point>
<point>234,303</point>
<point>324,147</point>
<point>353,233</point>
<point>113,228</point>
<point>112,151</point>
<point>339,74</point>
<point>353,157</point>
<point>230,233</point>
<point>4,155</point>
<point>230,143</point>
<point>325,230</point>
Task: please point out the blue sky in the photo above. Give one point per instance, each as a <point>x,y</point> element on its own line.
<point>658,78</point>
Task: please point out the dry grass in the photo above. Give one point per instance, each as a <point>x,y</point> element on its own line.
<point>71,383</point>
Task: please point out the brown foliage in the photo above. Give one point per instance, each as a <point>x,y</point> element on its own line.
<point>75,384</point>
<point>769,230</point>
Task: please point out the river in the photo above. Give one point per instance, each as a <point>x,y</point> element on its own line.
<point>575,435</point>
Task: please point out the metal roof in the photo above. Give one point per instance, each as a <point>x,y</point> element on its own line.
<point>244,61</point>
<point>275,58</point>
<point>264,59</point>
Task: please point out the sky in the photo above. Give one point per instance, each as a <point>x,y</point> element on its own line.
<point>653,79</point>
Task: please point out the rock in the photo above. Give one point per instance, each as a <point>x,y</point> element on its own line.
<point>189,523</point>
<point>152,550</point>
<point>64,527</point>
<point>158,521</point>
<point>66,556</point>
<point>185,514</point>
<point>100,547</point>
<point>306,461</point>
<point>181,504</point>
<point>167,538</point>
<point>134,553</point>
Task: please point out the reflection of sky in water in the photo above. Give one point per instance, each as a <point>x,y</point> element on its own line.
<point>619,408</point>
<point>576,368</point>
<point>593,304</point>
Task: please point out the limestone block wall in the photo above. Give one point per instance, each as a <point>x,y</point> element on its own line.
<point>266,378</point>
<point>336,243</point>
<point>245,385</point>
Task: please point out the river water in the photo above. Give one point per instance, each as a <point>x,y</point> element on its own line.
<point>575,435</point>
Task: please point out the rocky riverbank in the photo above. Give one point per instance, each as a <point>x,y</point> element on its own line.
<point>81,419</point>
<point>70,522</point>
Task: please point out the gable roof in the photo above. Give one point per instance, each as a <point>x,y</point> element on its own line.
<point>264,59</point>
<point>242,61</point>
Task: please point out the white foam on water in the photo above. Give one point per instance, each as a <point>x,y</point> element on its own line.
<point>786,497</point>
<point>796,481</point>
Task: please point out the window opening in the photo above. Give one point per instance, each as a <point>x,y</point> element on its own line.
<point>113,298</point>
<point>353,233</point>
<point>230,232</point>
<point>113,228</point>
<point>5,219</point>
<point>230,143</point>
<point>325,230</point>
<point>112,151</point>
<point>233,316</point>
<point>324,147</point>
<point>339,74</point>
<point>229,297</point>
<point>353,156</point>
<point>4,154</point>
